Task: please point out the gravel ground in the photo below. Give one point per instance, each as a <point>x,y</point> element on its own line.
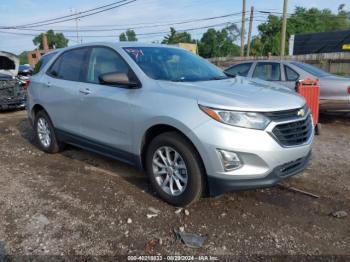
<point>79,203</point>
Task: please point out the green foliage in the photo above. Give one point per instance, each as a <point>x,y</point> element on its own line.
<point>301,21</point>
<point>55,40</point>
<point>177,37</point>
<point>233,32</point>
<point>217,43</point>
<point>129,35</point>
<point>23,58</point>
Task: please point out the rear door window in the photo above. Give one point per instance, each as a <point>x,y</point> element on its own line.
<point>70,65</point>
<point>267,71</point>
<point>241,69</point>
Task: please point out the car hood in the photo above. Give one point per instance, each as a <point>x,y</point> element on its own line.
<point>9,64</point>
<point>238,93</point>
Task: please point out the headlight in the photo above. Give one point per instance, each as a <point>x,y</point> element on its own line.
<point>235,118</point>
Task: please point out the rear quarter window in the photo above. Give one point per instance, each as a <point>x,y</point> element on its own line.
<point>291,75</point>
<point>70,65</point>
<point>42,62</point>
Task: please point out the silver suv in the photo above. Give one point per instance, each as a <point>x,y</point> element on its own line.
<point>189,126</point>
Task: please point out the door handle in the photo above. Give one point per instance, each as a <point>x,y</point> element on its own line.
<point>85,91</point>
<point>48,84</point>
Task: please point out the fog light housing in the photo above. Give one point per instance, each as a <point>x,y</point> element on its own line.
<point>230,160</point>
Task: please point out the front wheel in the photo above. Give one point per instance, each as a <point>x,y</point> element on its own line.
<point>175,170</point>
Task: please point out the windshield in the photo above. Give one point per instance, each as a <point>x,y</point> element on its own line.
<point>313,70</point>
<point>171,64</point>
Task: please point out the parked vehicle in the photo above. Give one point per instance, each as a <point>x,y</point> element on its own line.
<point>12,94</point>
<point>25,70</point>
<point>335,90</point>
<point>172,113</point>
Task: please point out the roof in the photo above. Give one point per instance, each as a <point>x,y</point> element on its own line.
<point>122,44</point>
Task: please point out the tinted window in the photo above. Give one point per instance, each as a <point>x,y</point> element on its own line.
<point>42,62</point>
<point>291,75</point>
<point>104,60</point>
<point>241,69</point>
<point>268,71</point>
<point>173,64</point>
<point>70,65</point>
<point>313,70</point>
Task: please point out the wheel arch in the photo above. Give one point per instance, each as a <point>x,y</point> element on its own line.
<point>35,109</point>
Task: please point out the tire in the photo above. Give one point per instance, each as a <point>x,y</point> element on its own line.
<point>53,145</point>
<point>318,129</point>
<point>187,164</point>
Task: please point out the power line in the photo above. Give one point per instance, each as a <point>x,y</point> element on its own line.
<point>17,33</point>
<point>162,32</point>
<point>292,15</point>
<point>140,34</point>
<point>62,17</point>
<point>140,26</point>
<point>54,21</point>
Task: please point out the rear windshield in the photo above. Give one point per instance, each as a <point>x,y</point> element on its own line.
<point>173,64</point>
<point>313,70</point>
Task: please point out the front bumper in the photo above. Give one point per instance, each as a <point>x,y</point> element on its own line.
<point>218,186</point>
<point>261,154</point>
<point>12,103</point>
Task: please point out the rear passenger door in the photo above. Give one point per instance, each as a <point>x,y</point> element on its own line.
<point>60,91</point>
<point>105,113</point>
<point>268,71</point>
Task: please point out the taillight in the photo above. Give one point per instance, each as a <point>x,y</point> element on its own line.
<point>26,84</point>
<point>349,90</point>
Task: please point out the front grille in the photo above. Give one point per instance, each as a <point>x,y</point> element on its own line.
<point>290,168</point>
<point>285,115</point>
<point>294,133</point>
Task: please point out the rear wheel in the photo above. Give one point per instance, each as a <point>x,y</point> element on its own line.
<point>45,133</point>
<point>175,170</point>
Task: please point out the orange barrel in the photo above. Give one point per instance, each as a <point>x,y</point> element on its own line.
<point>310,90</point>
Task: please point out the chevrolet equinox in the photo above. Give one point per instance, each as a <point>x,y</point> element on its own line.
<point>193,129</point>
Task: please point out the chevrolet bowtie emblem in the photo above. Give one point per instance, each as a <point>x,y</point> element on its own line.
<point>301,113</point>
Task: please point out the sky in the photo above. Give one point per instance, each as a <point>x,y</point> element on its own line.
<point>149,12</point>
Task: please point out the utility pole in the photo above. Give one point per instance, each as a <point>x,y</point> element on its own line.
<point>77,25</point>
<point>243,28</point>
<point>284,27</point>
<point>250,29</point>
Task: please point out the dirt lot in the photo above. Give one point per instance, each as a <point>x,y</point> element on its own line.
<point>79,203</point>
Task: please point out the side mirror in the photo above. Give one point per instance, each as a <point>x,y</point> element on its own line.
<point>229,74</point>
<point>118,79</point>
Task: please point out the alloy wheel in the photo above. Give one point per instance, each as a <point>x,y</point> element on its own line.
<point>170,171</point>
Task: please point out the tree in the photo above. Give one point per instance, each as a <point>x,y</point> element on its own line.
<point>217,44</point>
<point>129,35</point>
<point>303,20</point>
<point>177,37</point>
<point>233,32</point>
<point>55,40</point>
<point>23,58</point>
